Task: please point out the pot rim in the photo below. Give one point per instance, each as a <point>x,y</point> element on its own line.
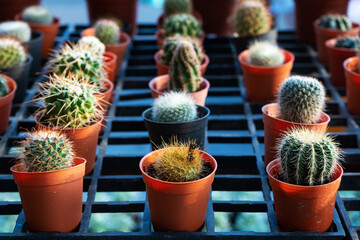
<point>316,26</point>
<point>331,45</point>
<point>157,57</point>
<point>347,69</point>
<point>8,79</point>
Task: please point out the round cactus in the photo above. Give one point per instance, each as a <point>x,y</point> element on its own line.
<point>308,157</point>
<point>12,53</point>
<point>184,73</point>
<point>265,54</point>
<point>302,99</point>
<point>107,31</point>
<point>352,42</point>
<point>183,24</point>
<point>16,29</point>
<point>174,107</point>
<point>3,87</point>
<point>335,21</point>
<point>177,6</point>
<point>37,15</point>
<point>94,44</point>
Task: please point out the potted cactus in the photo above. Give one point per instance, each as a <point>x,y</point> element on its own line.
<point>352,74</point>
<point>265,66</point>
<point>304,180</point>
<point>49,177</point>
<point>301,103</point>
<point>7,92</point>
<point>178,182</point>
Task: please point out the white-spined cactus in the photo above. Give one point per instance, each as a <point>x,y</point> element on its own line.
<point>16,29</point>
<point>94,44</point>
<point>265,54</point>
<point>38,15</point>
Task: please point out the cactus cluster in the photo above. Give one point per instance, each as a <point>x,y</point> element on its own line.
<point>307,157</point>
<point>335,21</point>
<point>177,6</point>
<point>351,42</point>
<point>265,54</point>
<point>16,29</point>
<point>45,150</point>
<point>107,31</point>
<point>183,24</point>
<point>38,15</point>
<point>301,99</point>
<point>12,53</point>
<point>3,87</point>
<point>92,43</point>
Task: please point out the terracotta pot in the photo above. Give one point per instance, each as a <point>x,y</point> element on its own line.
<point>52,201</point>
<point>307,11</point>
<point>163,69</point>
<point>6,103</point>
<point>262,83</point>
<point>9,8</point>
<point>160,21</point>
<point>160,38</point>
<point>106,100</point>
<point>110,65</point>
<point>274,127</point>
<point>303,208</point>
<point>158,86</point>
<point>323,34</point>
<point>352,85</point>
<point>173,204</point>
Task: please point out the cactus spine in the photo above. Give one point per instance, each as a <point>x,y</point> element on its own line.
<point>177,6</point>
<point>352,42</point>
<point>12,53</point>
<point>37,15</point>
<point>94,44</point>
<point>107,31</point>
<point>183,24</point>
<point>16,29</point>
<point>3,87</point>
<point>265,54</point>
<point>335,21</point>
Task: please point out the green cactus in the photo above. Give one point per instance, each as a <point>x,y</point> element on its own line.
<point>335,21</point>
<point>184,73</point>
<point>94,44</point>
<point>3,87</point>
<point>107,31</point>
<point>301,99</point>
<point>265,54</point>
<point>38,15</point>
<point>12,53</point>
<point>351,42</point>
<point>307,157</point>
<point>16,29</point>
<point>44,151</point>
<point>183,24</point>
<point>177,6</point>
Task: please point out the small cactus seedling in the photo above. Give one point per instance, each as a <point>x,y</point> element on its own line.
<point>183,24</point>
<point>94,44</point>
<point>38,15</point>
<point>335,21</point>
<point>12,53</point>
<point>16,29</point>
<point>301,99</point>
<point>307,157</point>
<point>265,54</point>
<point>177,6</point>
<point>3,87</point>
<point>107,31</point>
<point>351,42</point>
<point>174,107</point>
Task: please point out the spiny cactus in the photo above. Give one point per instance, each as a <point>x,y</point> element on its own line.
<point>302,99</point>
<point>38,15</point>
<point>16,29</point>
<point>107,31</point>
<point>177,6</point>
<point>335,21</point>
<point>265,54</point>
<point>352,42</point>
<point>183,24</point>
<point>174,107</point>
<point>184,73</point>
<point>94,44</point>
<point>3,87</point>
<point>12,53</point>
<point>308,157</point>
<point>45,150</point>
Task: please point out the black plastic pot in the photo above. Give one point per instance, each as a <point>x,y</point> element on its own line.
<point>33,47</point>
<point>194,130</point>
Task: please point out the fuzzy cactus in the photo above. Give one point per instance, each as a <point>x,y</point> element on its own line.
<point>335,21</point>
<point>12,53</point>
<point>44,151</point>
<point>184,73</point>
<point>3,87</point>
<point>38,15</point>
<point>107,31</point>
<point>352,42</point>
<point>174,107</point>
<point>177,6</point>
<point>265,54</point>
<point>16,29</point>
<point>301,99</point>
<point>183,24</point>
<point>94,44</point>
<point>308,157</point>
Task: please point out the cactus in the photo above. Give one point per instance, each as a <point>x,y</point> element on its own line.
<point>107,31</point>
<point>184,73</point>
<point>44,151</point>
<point>174,107</point>
<point>302,99</point>
<point>265,54</point>
<point>16,29</point>
<point>177,6</point>
<point>352,42</point>
<point>183,24</point>
<point>37,15</point>
<point>3,87</point>
<point>335,21</point>
<point>94,44</point>
<point>12,53</point>
<point>308,157</point>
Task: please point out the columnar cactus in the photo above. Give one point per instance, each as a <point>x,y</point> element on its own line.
<point>94,44</point>
<point>183,24</point>
<point>177,6</point>
<point>335,21</point>
<point>16,29</point>
<point>107,31</point>
<point>184,73</point>
<point>174,107</point>
<point>265,54</point>
<point>348,42</point>
<point>38,15</point>
<point>12,53</point>
<point>308,158</point>
<point>301,99</point>
<point>3,87</point>
<point>44,151</point>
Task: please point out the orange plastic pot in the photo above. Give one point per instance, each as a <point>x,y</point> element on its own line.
<point>52,201</point>
<point>352,85</point>
<point>303,208</point>
<point>159,84</point>
<point>110,65</point>
<point>6,103</point>
<point>105,100</point>
<point>177,206</point>
<point>160,21</point>
<point>274,127</point>
<point>262,83</point>
<point>160,38</point>
<point>323,34</point>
